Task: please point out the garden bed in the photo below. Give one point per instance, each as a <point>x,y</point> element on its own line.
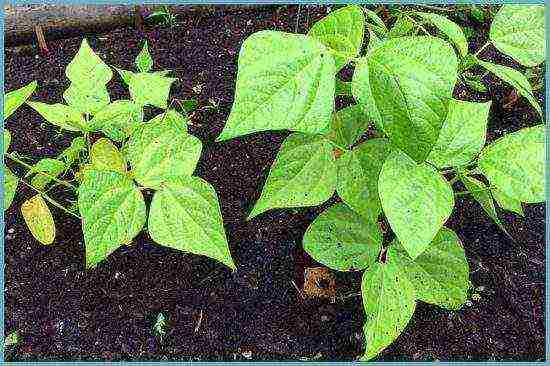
<point>61,311</point>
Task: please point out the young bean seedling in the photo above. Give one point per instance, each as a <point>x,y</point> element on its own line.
<point>113,157</point>
<point>403,84</point>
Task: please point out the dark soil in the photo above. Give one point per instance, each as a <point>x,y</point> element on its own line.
<point>62,312</point>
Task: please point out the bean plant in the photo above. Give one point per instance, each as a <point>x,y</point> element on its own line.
<point>424,140</point>
<point>113,157</point>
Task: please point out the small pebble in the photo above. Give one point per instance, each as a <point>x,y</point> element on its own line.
<point>247,354</point>
<point>11,231</point>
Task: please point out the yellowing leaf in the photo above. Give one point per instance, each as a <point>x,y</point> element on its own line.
<point>39,219</point>
<point>105,156</point>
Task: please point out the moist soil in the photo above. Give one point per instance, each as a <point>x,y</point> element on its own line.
<point>62,312</point>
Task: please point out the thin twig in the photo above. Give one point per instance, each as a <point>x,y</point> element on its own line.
<point>482,48</point>
<point>49,199</point>
<point>20,162</point>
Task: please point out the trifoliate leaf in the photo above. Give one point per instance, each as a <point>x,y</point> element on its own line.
<point>284,82</point>
<point>162,148</point>
<point>112,210</point>
<point>342,240</point>
<point>303,174</point>
<point>185,215</point>
<point>416,200</point>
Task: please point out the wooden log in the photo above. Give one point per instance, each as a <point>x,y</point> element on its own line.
<point>61,21</point>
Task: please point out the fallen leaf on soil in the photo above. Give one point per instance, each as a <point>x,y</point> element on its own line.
<point>319,282</point>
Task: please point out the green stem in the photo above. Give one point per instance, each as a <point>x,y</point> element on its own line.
<point>49,199</point>
<point>465,193</point>
<point>418,25</point>
<point>20,162</point>
<point>434,8</point>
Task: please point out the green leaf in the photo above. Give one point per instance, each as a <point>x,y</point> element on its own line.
<point>303,174</point>
<point>376,22</point>
<point>416,200</point>
<point>52,168</point>
<point>449,28</point>
<point>144,62</point>
<point>10,186</point>
<point>462,135</point>
<point>403,26</point>
<point>358,172</point>
<point>481,193</point>
<point>72,153</point>
<point>88,75</point>
<point>361,90</point>
<point>518,31</point>
<point>113,213</point>
<point>515,79</point>
<point>185,215</point>
<point>150,89</point>
<point>342,32</point>
<point>39,219</point>
<point>7,140</point>
<point>118,119</point>
<point>284,81</point>
<point>162,148</point>
<point>61,115</point>
<point>12,339</point>
<point>410,81</point>
<point>343,240</point>
<point>125,75</point>
<point>389,303</point>
<point>440,275</point>
<point>475,83</point>
<point>348,125</point>
<point>515,164</point>
<point>105,156</point>
<point>16,98</point>
<point>507,203</point>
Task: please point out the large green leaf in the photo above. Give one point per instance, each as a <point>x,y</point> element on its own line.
<point>462,135</point>
<point>303,174</point>
<point>375,22</point>
<point>185,215</point>
<point>88,75</point>
<point>358,172</point>
<point>118,119</point>
<point>481,193</point>
<point>348,125</point>
<point>284,81</point>
<point>449,28</point>
<point>162,148</point>
<point>105,156</point>
<point>16,98</point>
<point>440,275</point>
<point>514,164</point>
<point>410,81</point>
<point>516,79</point>
<point>150,88</point>
<point>61,115</point>
<point>113,213</point>
<point>506,202</point>
<point>389,303</point>
<point>10,186</point>
<point>361,90</point>
<point>403,26</point>
<point>144,62</point>
<point>341,31</point>
<point>342,240</point>
<point>416,200</point>
<point>39,219</point>
<point>518,31</point>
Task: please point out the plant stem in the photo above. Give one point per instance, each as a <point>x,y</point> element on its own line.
<point>434,7</point>
<point>464,193</point>
<point>49,199</point>
<point>18,161</point>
